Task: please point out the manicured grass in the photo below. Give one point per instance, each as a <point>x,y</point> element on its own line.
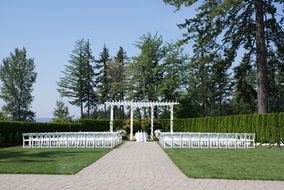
<point>260,163</point>
<point>17,160</point>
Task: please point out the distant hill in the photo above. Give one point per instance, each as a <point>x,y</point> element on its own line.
<point>43,119</point>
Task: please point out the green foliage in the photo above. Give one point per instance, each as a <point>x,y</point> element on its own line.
<point>245,96</point>
<point>173,70</point>
<point>100,125</point>
<point>102,75</point>
<point>61,113</point>
<point>268,128</point>
<point>118,84</point>
<point>280,128</point>
<point>11,131</point>
<point>146,68</point>
<point>117,75</point>
<point>157,72</point>
<point>3,116</point>
<point>18,76</point>
<point>77,83</point>
<point>220,31</point>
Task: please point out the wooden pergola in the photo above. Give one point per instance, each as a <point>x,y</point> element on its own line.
<point>141,104</point>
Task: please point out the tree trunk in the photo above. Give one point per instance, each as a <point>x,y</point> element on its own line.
<point>88,107</point>
<point>261,58</point>
<point>81,106</point>
<point>105,111</point>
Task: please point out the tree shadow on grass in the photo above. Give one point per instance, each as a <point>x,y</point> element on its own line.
<point>26,161</point>
<point>26,154</point>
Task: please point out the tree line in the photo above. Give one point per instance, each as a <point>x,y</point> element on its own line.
<point>154,74</point>
<point>237,67</point>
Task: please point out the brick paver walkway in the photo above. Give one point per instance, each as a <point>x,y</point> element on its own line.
<point>131,166</point>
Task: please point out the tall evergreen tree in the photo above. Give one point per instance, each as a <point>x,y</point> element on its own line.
<point>102,76</point>
<point>120,58</point>
<point>117,79</point>
<point>173,70</point>
<point>90,95</point>
<point>77,83</point>
<point>275,73</point>
<point>245,95</point>
<point>199,86</point>
<point>18,76</point>
<point>225,26</point>
<point>146,68</point>
<point>221,87</point>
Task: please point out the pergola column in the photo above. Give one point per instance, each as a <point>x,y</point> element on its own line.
<point>131,123</point>
<point>172,118</point>
<point>152,122</point>
<point>111,119</point>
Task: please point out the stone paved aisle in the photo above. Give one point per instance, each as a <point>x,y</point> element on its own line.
<point>131,166</point>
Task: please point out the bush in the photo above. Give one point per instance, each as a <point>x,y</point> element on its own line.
<point>11,131</point>
<point>268,128</point>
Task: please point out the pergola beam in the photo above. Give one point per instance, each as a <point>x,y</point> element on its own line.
<point>139,104</point>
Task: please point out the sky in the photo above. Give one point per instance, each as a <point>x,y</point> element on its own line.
<point>48,29</point>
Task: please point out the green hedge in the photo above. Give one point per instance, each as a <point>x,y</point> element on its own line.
<point>11,131</point>
<point>267,127</point>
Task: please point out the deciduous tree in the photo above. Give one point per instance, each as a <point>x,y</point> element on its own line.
<point>18,76</point>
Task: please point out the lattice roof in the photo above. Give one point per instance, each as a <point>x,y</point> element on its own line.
<point>140,103</point>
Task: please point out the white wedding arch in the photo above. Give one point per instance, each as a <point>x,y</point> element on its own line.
<point>141,104</point>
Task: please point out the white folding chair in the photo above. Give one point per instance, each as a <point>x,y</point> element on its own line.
<point>185,140</point>
<point>99,140</point>
<point>90,140</point>
<point>241,140</point>
<point>194,140</point>
<point>204,140</point>
<point>213,140</point>
<point>231,140</point>
<point>168,140</point>
<point>222,140</point>
<point>63,140</point>
<point>81,139</point>
<point>250,140</point>
<point>27,140</point>
<point>176,140</point>
<point>53,140</point>
<point>108,140</point>
<point>45,140</point>
<point>35,140</point>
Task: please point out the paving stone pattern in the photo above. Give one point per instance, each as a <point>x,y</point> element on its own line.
<point>130,166</point>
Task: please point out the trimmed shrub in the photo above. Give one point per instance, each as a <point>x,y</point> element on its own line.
<point>269,128</point>
<point>11,131</point>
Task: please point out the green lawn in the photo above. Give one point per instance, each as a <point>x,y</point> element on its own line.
<point>260,163</point>
<point>47,161</point>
